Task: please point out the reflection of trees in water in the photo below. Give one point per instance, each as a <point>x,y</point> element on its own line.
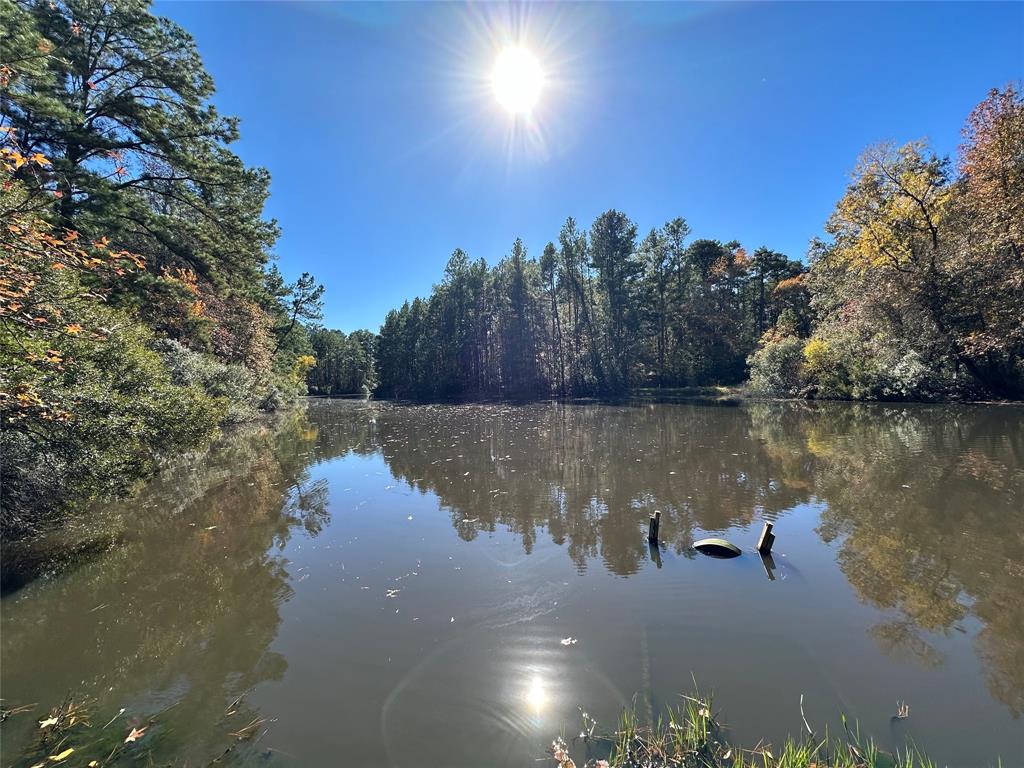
<point>901,638</point>
<point>927,504</point>
<point>185,611</point>
<point>590,475</point>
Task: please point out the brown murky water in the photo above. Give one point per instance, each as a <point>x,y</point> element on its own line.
<point>390,586</point>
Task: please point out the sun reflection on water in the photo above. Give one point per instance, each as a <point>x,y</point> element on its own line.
<point>536,697</point>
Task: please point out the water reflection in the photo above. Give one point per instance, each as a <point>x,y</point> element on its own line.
<point>305,572</point>
<point>928,513</point>
<point>925,503</point>
<point>182,623</point>
<point>536,698</point>
<point>587,474</point>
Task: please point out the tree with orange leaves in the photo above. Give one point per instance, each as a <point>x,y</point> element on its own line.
<point>85,405</point>
<point>990,195</point>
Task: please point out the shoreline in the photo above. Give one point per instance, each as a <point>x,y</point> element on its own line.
<point>727,395</point>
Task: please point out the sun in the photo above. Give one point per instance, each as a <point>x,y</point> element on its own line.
<point>518,80</point>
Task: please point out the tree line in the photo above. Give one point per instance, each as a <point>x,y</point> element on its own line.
<point>600,312</point>
<point>345,363</point>
<point>916,293</point>
<point>140,309</point>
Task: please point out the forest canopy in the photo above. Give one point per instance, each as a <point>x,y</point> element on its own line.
<point>602,312</point>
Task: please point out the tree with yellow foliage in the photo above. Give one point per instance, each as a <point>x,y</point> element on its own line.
<point>919,294</point>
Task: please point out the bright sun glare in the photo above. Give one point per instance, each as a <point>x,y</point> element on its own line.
<point>517,80</point>
<point>535,696</point>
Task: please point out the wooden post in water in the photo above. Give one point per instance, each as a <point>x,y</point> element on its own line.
<point>652,530</point>
<point>764,544</point>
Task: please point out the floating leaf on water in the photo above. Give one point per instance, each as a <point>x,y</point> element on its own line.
<point>135,735</point>
<point>48,722</point>
<point>62,756</point>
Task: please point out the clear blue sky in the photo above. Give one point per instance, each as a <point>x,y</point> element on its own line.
<point>388,149</point>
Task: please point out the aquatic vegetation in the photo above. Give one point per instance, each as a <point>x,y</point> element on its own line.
<point>68,735</point>
<point>690,735</point>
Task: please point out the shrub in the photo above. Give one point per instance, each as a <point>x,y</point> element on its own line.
<point>824,365</point>
<point>845,362</point>
<point>235,383</point>
<point>776,368</point>
<point>274,399</point>
<point>119,411</point>
<point>287,384</point>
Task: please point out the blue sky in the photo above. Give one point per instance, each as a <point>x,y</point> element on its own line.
<point>388,149</point>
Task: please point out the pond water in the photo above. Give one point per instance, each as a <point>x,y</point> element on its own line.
<point>391,586</point>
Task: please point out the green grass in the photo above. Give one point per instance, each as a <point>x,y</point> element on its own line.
<point>689,735</point>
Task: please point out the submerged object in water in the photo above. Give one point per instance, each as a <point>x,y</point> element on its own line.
<point>716,548</point>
